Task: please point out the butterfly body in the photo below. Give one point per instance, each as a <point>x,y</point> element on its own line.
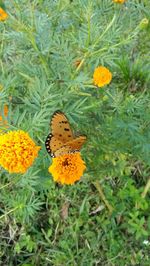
<point>61,140</point>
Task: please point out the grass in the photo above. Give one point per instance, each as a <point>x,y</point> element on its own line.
<point>48,53</point>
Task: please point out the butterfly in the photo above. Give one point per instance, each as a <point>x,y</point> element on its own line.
<point>61,140</point>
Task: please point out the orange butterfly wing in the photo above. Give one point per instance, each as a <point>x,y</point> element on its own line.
<point>71,146</point>
<point>60,127</point>
<point>61,140</point>
<point>76,143</point>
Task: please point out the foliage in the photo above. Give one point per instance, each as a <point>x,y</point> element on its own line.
<point>49,51</point>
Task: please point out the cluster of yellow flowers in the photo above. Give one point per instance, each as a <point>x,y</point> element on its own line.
<point>18,150</point>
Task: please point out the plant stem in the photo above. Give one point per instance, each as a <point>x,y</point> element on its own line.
<point>147,187</point>
<point>12,210</point>
<point>98,187</point>
<point>6,185</point>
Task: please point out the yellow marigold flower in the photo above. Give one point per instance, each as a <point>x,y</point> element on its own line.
<point>119,1</point>
<point>17,151</point>
<point>102,76</point>
<point>3,15</point>
<point>67,168</point>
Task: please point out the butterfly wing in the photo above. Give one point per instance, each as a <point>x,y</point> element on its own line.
<point>71,146</point>
<point>53,144</point>
<point>76,143</point>
<point>61,140</point>
<point>61,151</point>
<point>60,127</point>
<point>60,133</point>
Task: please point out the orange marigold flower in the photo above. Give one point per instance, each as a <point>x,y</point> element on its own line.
<point>3,15</point>
<point>102,76</point>
<point>119,1</point>
<point>17,151</point>
<point>67,168</point>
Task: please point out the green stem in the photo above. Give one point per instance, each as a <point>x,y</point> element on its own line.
<point>6,185</point>
<point>89,30</point>
<point>99,188</point>
<point>105,31</point>
<point>96,42</point>
<point>146,189</point>
<point>12,210</point>
<point>91,54</point>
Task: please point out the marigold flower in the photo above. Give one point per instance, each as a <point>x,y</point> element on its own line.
<point>119,1</point>
<point>102,76</point>
<point>3,15</point>
<point>17,151</point>
<point>67,168</point>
